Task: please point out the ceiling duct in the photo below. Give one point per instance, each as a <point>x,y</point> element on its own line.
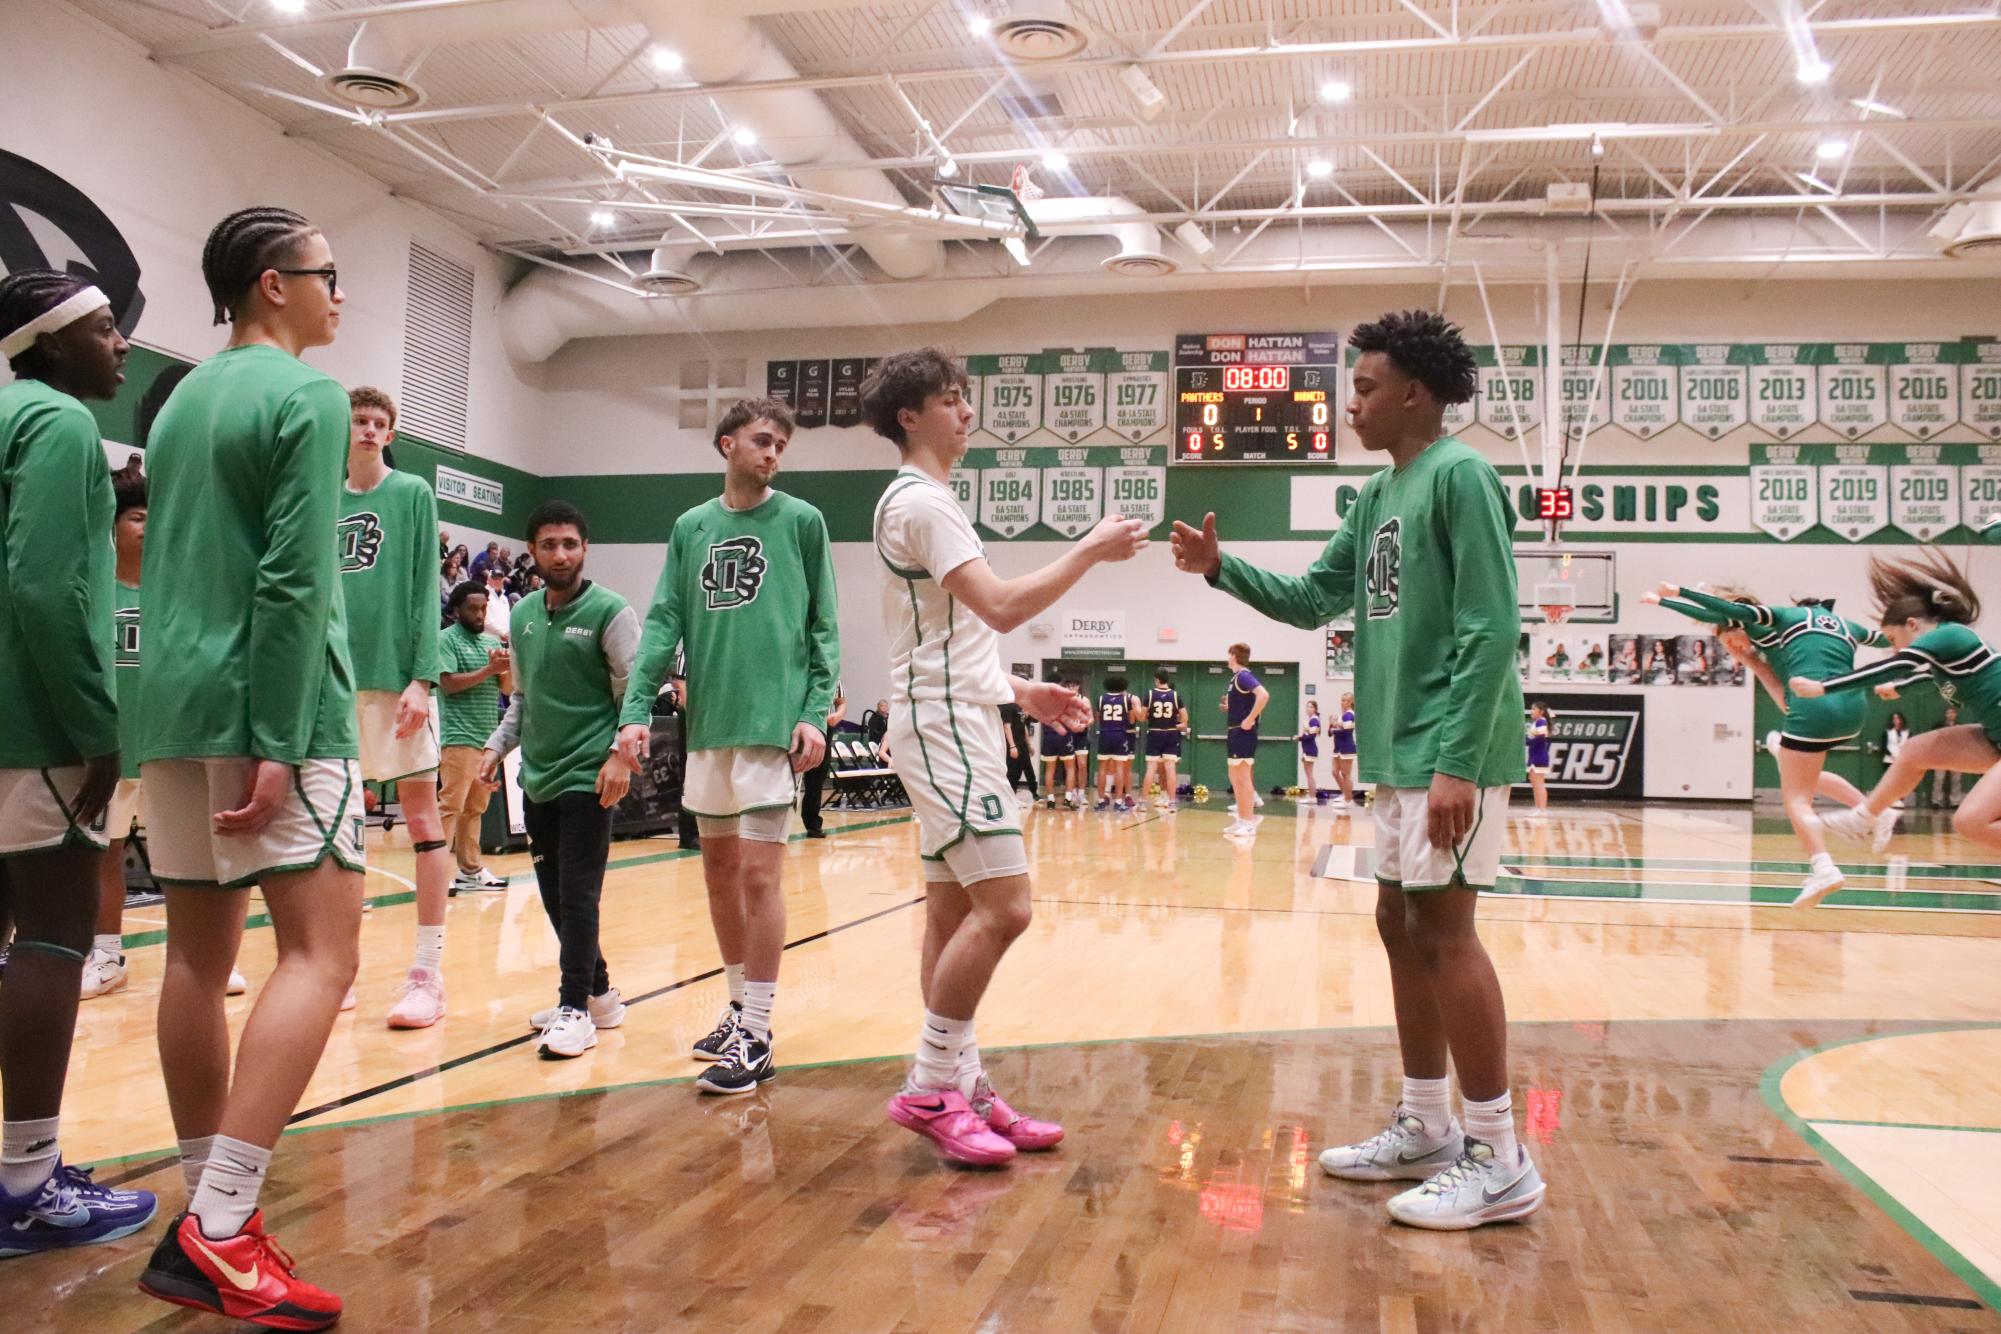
<point>669,272</point>
<point>1972,227</point>
<point>1141,252</point>
<point>1037,31</point>
<point>385,53</point>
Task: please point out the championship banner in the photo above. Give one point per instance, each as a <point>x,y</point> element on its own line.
<point>1854,493</point>
<point>1854,387</point>
<point>1010,498</point>
<point>1586,388</point>
<point>965,485</point>
<point>1785,496</point>
<point>1073,497</point>
<point>1782,390</point>
<point>1924,492</point>
<point>1509,404</point>
<point>1980,489</point>
<point>1136,391</point>
<point>1646,388</point>
<point>1073,388</point>
<point>1924,387</point>
<point>1137,490</point>
<point>1714,389</point>
<point>1980,387</point>
<point>1011,390</point>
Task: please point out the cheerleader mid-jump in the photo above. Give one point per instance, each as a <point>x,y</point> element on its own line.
<point>1925,605</point>
<point>1803,642</point>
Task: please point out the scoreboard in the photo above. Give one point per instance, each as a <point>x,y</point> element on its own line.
<point>1256,398</point>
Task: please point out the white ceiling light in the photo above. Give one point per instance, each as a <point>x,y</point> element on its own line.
<point>1875,108</point>
<point>289,6</point>
<point>1813,71</point>
<point>743,136</point>
<point>1056,160</point>
<point>666,59</point>
<point>948,166</point>
<point>1320,169</point>
<point>1827,150</point>
<point>603,217</point>
<point>1336,90</point>
<point>979,25</point>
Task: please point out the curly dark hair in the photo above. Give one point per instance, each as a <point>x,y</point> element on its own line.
<point>1425,346</point>
<point>905,380</point>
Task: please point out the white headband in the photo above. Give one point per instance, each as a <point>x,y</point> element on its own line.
<point>87,302</point>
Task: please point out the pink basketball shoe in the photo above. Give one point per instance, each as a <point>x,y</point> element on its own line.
<point>1024,1132</point>
<point>945,1118</point>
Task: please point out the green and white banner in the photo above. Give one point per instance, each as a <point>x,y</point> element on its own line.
<point>1980,485</point>
<point>1854,387</point>
<point>1509,401</point>
<point>1136,389</point>
<point>1073,498</point>
<point>1010,498</point>
<point>1782,390</point>
<point>1011,394</point>
<point>1854,493</point>
<point>1074,383</point>
<point>1586,387</point>
<point>1138,491</point>
<point>1924,387</point>
<point>1785,495</point>
<point>1924,493</point>
<point>1714,388</point>
<point>1646,388</point>
<point>965,484</point>
<point>1980,387</point>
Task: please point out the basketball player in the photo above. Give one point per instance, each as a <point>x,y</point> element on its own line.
<point>1058,746</point>
<point>474,671</point>
<point>1244,702</point>
<point>1538,746</point>
<point>1342,730</point>
<point>1436,625</point>
<point>1118,712</point>
<point>1309,747</point>
<point>945,609</point>
<point>1166,724</point>
<point>748,588</point>
<point>572,651</point>
<point>1925,604</point>
<point>1080,753</point>
<point>59,739</point>
<point>1807,640</point>
<point>247,749</point>
<point>388,579</point>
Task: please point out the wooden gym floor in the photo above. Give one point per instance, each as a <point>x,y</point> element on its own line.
<point>1750,1117</point>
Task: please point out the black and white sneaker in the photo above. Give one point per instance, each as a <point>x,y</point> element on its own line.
<point>717,1044</point>
<point>743,1067</point>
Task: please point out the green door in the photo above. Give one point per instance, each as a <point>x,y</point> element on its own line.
<point>1202,684</point>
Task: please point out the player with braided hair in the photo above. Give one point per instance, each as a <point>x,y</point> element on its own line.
<point>246,741</point>
<point>1926,604</point>
<point>58,738</point>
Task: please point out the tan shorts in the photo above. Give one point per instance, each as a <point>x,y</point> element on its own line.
<point>1404,855</point>
<point>35,806</point>
<point>737,780</point>
<point>321,817</point>
<point>386,757</point>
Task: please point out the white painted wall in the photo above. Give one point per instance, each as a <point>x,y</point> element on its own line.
<point>166,157</point>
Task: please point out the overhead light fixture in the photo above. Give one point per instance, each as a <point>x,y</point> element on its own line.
<point>1055,160</point>
<point>743,136</point>
<point>1872,106</point>
<point>948,166</point>
<point>1597,146</point>
<point>1336,90</point>
<point>1147,98</point>
<point>603,217</point>
<point>979,25</point>
<point>289,6</point>
<point>1827,150</point>
<point>667,60</point>
<point>1813,71</point>
<point>1320,169</point>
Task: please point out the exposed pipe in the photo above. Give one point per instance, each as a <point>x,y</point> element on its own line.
<point>1140,248</point>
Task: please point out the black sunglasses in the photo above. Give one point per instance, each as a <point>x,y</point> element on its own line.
<point>329,273</point>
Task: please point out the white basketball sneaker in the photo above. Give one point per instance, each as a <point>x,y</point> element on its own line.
<point>1818,885</point>
<point>607,1011</point>
<point>238,983</point>
<point>1404,1150</point>
<point>570,1034</point>
<point>1475,1190</point>
<point>103,974</point>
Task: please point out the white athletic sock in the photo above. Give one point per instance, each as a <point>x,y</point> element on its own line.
<point>939,1043</point>
<point>734,972</point>
<point>1821,861</point>
<point>1430,1101</point>
<point>194,1157</point>
<point>430,948</point>
<point>758,998</point>
<point>28,1154</point>
<point>966,1073</point>
<point>111,945</point>
<point>1494,1122</point>
<point>230,1182</point>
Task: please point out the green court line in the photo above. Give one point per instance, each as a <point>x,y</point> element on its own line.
<point>255,921</point>
<point>1901,1125</point>
<point>1915,870</point>
<point>1984,1287</point>
<point>1753,896</point>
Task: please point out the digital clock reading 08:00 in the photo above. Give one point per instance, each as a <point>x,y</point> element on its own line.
<point>1256,398</point>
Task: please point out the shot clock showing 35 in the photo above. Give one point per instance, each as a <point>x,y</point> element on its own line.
<point>1256,398</point>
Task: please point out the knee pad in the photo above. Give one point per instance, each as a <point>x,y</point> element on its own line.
<point>430,845</point>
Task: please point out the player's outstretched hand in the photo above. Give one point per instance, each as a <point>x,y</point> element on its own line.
<point>1116,538</point>
<point>634,744</point>
<point>1196,550</point>
<point>270,780</point>
<point>1806,687</point>
<point>1651,597</point>
<point>1667,588</point>
<point>1887,692</point>
<point>809,747</point>
<point>1055,704</point>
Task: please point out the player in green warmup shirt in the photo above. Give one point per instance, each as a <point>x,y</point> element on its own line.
<point>246,745</point>
<point>748,590</point>
<point>572,653</point>
<point>389,579</point>
<point>473,674</point>
<point>1806,641</point>
<point>1423,559</point>
<point>59,743</point>
<point>1925,604</point>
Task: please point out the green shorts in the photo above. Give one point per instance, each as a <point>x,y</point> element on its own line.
<point>1829,718</point>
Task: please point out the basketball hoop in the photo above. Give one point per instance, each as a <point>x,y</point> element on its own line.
<point>1023,184</point>
<point>1557,601</point>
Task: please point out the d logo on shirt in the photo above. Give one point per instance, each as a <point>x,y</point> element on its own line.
<point>1385,569</point>
<point>360,541</point>
<point>734,573</point>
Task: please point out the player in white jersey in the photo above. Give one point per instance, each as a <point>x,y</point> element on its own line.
<point>945,610</point>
